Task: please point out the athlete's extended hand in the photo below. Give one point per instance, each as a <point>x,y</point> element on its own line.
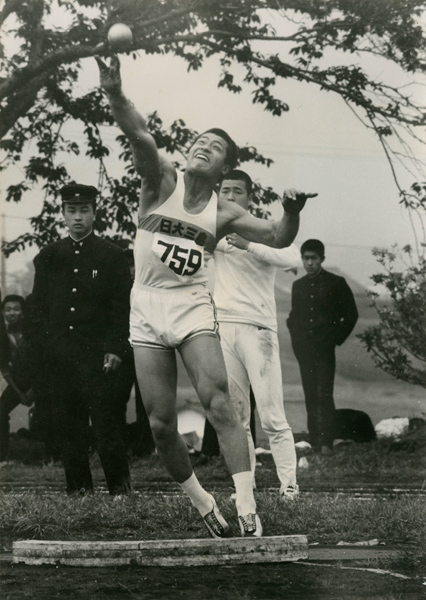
<point>110,77</point>
<point>236,240</point>
<point>294,200</point>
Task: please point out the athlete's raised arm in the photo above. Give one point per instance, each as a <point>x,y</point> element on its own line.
<point>152,167</point>
<point>278,234</point>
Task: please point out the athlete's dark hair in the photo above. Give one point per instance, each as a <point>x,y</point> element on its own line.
<point>313,246</point>
<point>13,298</point>
<point>238,175</point>
<point>231,146</point>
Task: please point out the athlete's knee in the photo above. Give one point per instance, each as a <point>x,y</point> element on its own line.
<point>163,429</point>
<point>221,413</point>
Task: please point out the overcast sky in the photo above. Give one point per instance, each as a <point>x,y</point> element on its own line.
<point>318,146</point>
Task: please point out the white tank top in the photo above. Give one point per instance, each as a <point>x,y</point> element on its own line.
<point>172,246</point>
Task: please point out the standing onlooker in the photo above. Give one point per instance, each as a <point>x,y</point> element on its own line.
<point>31,360</point>
<point>244,295</point>
<point>13,315</point>
<point>322,316</point>
<point>80,314</point>
<point>138,435</point>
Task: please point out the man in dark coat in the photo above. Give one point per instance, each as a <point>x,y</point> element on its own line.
<point>138,435</point>
<point>80,315</point>
<point>323,314</point>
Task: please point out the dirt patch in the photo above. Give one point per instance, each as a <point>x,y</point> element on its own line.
<point>249,582</point>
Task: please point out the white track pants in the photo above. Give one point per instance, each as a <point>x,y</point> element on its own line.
<point>252,358</point>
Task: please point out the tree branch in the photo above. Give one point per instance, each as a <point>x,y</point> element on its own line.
<point>173,14</point>
<point>303,75</point>
<point>9,8</point>
<point>18,106</point>
<point>36,25</point>
<point>63,56</point>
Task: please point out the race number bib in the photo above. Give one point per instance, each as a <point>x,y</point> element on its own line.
<point>182,256</point>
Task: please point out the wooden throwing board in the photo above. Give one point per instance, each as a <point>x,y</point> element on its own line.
<point>164,553</point>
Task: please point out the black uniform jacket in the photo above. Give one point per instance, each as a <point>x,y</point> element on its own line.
<point>81,291</point>
<point>4,346</point>
<point>322,308</point>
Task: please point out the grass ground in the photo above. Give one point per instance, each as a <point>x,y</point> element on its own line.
<point>326,518</point>
<point>350,464</point>
<point>397,521</point>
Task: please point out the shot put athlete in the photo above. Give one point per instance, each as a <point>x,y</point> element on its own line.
<point>180,221</point>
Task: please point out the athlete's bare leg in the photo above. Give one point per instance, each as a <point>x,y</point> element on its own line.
<point>203,359</point>
<point>157,378</point>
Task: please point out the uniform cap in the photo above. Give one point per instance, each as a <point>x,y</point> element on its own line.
<point>77,193</point>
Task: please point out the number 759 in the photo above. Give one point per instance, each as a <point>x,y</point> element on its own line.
<point>183,261</point>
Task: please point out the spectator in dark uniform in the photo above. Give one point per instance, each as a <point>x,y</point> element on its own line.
<point>323,314</point>
<point>12,340</point>
<point>138,435</point>
<point>4,343</point>
<point>30,360</point>
<point>80,314</point>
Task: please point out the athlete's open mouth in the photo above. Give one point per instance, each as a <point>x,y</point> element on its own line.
<point>202,156</point>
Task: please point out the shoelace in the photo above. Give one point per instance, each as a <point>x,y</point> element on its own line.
<point>249,526</point>
<point>215,524</point>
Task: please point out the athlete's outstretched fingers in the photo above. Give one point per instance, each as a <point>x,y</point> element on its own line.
<point>115,62</point>
<point>290,193</point>
<point>294,194</point>
<point>102,66</point>
<point>110,78</point>
<point>294,200</point>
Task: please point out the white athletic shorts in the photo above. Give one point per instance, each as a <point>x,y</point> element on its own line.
<point>168,318</point>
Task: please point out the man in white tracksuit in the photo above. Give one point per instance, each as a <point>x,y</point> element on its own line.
<point>245,301</point>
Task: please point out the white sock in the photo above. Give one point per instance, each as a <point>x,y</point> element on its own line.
<point>245,502</point>
<point>201,499</point>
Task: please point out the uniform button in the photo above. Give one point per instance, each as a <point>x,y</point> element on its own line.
<point>75,270</point>
<point>71,327</point>
<point>312,295</point>
<point>77,252</point>
<point>312,308</point>
<point>72,309</point>
<point>311,320</point>
<point>74,290</point>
